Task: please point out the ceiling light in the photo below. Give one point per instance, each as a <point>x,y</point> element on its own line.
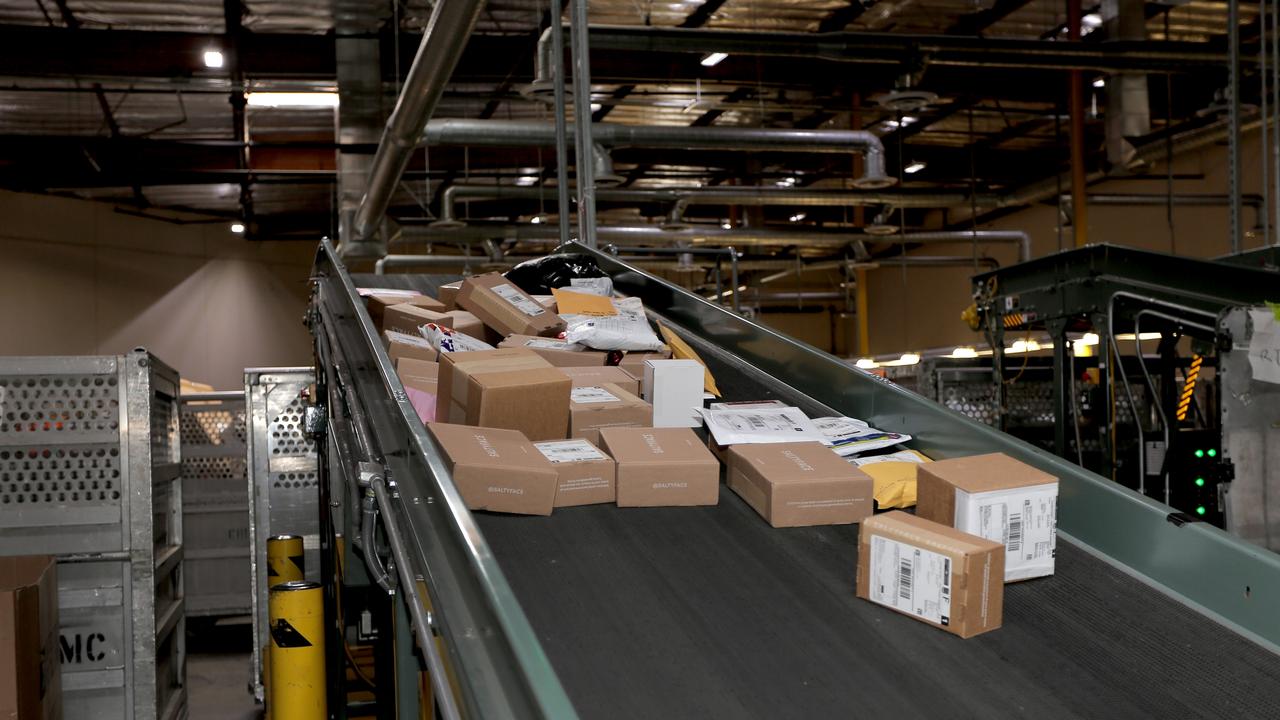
<point>1143,336</point>
<point>787,182</point>
<point>1100,83</point>
<point>1089,339</point>
<point>914,167</point>
<point>536,219</point>
<point>1090,22</point>
<point>237,228</point>
<point>527,180</point>
<point>867,363</point>
<point>726,225</point>
<point>964,352</point>
<point>713,59</point>
<point>595,107</point>
<point>908,119</point>
<point>292,99</point>
<point>909,359</point>
<point>797,217</point>
<point>212,59</point>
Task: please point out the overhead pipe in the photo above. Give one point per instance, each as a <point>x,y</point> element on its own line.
<point>448,30</point>
<point>863,265</point>
<point>683,197</point>
<point>1253,201</point>
<point>504,133</point>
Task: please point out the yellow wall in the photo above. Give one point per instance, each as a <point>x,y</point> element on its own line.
<point>77,278</point>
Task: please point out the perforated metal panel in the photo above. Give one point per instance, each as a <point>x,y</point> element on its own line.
<point>52,408</point>
<point>283,482</point>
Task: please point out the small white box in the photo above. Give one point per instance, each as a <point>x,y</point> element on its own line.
<point>674,387</point>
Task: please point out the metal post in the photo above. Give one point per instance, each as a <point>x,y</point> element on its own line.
<point>1062,369</point>
<point>864,320</point>
<point>1275,105</point>
<point>1233,119</point>
<point>583,145</point>
<point>562,141</point>
<point>733,277</point>
<point>1080,219</point>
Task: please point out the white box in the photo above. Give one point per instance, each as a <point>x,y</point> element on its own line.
<point>674,387</point>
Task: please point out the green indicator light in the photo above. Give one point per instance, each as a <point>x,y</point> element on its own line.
<point>1213,453</point>
<point>1199,482</point>
<point>1199,453</point>
<point>1200,510</point>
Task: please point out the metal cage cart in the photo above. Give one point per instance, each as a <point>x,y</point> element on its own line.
<point>282,483</point>
<point>215,504</point>
<point>89,463</point>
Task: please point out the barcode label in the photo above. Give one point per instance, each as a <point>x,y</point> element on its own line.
<point>583,395</point>
<point>562,451</point>
<point>1014,543</point>
<point>910,579</point>
<point>518,300</point>
<point>904,579</point>
<point>756,422</point>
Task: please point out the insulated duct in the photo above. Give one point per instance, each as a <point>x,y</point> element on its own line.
<point>442,44</point>
<point>501,133</point>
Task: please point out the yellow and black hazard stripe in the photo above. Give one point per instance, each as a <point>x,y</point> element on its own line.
<point>285,561</point>
<point>1189,387</point>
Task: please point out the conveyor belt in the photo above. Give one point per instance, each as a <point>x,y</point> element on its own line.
<point>697,612</point>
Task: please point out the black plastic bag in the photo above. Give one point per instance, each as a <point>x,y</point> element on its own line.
<point>537,277</point>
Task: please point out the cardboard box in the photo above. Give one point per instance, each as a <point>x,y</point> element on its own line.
<point>496,469</point>
<point>406,318</point>
<point>30,669</point>
<point>662,467</point>
<point>931,572</point>
<point>587,475</point>
<point>546,301</point>
<point>674,388</point>
<point>468,324</point>
<point>378,304</point>
<point>506,308</point>
<point>596,376</point>
<point>633,362</point>
<point>508,388</point>
<point>799,484</point>
<point>448,294</point>
<point>554,352</point>
<point>998,498</point>
<point>595,407</point>
<point>402,345</point>
<point>421,383</point>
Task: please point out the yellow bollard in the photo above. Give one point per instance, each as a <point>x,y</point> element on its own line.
<point>296,661</point>
<point>284,559</point>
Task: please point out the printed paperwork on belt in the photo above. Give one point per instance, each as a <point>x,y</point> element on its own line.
<point>848,436</point>
<point>735,425</point>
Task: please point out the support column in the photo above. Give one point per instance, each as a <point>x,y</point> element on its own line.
<point>358,121</point>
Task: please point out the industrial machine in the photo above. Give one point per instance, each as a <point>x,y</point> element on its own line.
<point>708,612</point>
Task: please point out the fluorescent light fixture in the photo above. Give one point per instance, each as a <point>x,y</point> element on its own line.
<point>713,59</point>
<point>914,167</point>
<point>536,219</point>
<point>237,228</point>
<point>964,352</point>
<point>787,182</point>
<point>866,363</point>
<point>595,107</point>
<point>1089,339</point>
<point>1100,83</point>
<point>908,119</point>
<point>798,217</point>
<point>1143,336</point>
<point>905,359</point>
<point>292,99</point>
<point>527,180</point>
<point>212,59</point>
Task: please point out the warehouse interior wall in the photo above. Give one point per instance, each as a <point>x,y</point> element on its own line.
<point>79,278</point>
<point>919,308</point>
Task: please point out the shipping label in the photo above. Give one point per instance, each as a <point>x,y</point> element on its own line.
<point>595,286</point>
<point>910,579</point>
<point>585,395</point>
<point>564,451</point>
<point>518,300</point>
<point>1023,519</point>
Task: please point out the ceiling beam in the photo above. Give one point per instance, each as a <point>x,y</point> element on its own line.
<point>841,18</point>
<point>977,23</point>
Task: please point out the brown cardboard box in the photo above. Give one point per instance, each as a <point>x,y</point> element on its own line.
<point>593,408</point>
<point>597,376</point>
<point>506,308</point>
<point>931,572</point>
<point>546,301</point>
<point>633,362</point>
<point>552,350</point>
<point>378,305</point>
<point>402,345</point>
<point>30,673</point>
<point>508,388</point>
<point>799,484</point>
<point>421,383</point>
<point>449,294</point>
<point>587,475</point>
<point>496,469</point>
<point>406,318</point>
<point>468,324</point>
<point>662,467</point>
<point>998,498</point>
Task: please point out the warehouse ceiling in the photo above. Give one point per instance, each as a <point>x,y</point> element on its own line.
<point>111,100</point>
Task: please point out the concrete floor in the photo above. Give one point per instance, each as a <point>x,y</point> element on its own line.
<point>218,672</point>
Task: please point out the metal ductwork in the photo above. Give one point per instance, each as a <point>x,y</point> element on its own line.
<point>448,30</point>
<point>501,133</point>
